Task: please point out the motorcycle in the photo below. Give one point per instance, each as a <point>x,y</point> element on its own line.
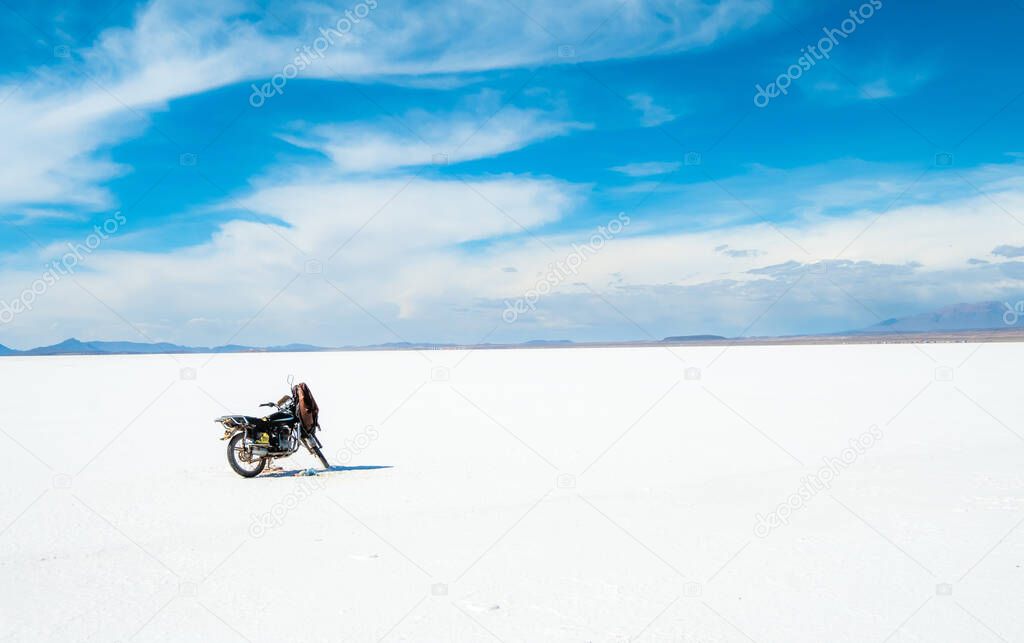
<point>253,443</point>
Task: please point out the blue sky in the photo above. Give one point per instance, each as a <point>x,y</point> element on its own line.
<point>432,165</point>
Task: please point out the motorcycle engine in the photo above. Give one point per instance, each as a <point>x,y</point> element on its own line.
<point>279,439</point>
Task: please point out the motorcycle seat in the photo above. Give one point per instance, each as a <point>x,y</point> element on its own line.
<point>273,420</point>
<point>242,419</point>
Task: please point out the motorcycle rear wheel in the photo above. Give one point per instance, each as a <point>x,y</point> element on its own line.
<point>245,469</point>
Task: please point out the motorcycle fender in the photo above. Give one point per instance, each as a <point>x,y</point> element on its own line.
<point>230,431</point>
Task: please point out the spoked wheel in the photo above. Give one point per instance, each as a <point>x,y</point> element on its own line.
<point>244,464</point>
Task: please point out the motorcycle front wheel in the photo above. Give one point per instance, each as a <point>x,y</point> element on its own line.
<point>245,466</point>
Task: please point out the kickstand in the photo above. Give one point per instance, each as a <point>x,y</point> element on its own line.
<point>271,466</point>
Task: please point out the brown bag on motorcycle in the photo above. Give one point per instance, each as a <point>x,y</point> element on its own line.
<point>305,407</point>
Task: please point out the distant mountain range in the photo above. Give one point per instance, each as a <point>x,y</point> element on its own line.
<point>679,339</point>
<point>989,315</point>
<point>77,347</point>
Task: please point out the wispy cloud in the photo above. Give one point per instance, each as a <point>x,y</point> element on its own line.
<point>874,82</point>
<point>651,115</point>
<point>417,138</point>
<point>649,168</point>
<point>26,215</point>
<point>60,121</point>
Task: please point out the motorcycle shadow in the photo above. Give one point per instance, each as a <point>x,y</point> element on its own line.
<point>295,472</point>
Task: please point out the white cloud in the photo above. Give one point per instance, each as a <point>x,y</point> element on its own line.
<point>651,115</point>
<point>428,259</point>
<point>420,139</point>
<point>874,82</point>
<point>398,245</point>
<point>407,37</point>
<point>55,122</point>
<point>650,168</point>
<point>58,121</point>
